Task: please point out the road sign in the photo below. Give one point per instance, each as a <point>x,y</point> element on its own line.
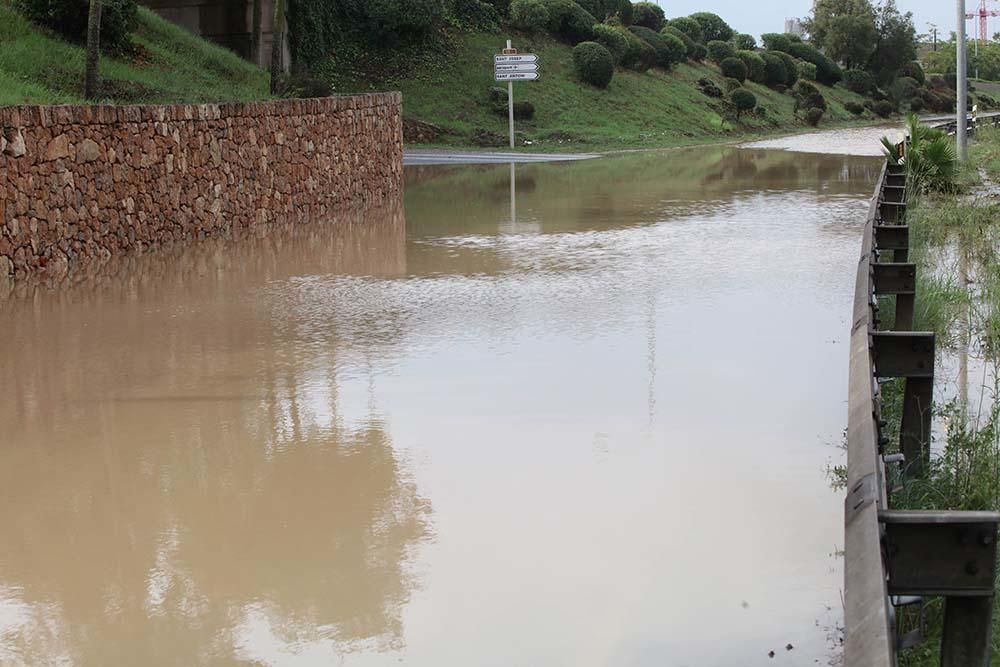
<point>510,59</point>
<point>517,67</point>
<point>515,76</point>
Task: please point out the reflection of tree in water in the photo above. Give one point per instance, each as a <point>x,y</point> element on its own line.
<point>181,484</point>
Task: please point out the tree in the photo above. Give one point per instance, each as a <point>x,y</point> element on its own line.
<point>713,27</point>
<point>851,40</point>
<point>92,76</point>
<point>277,45</point>
<point>896,41</point>
<point>257,19</point>
<point>825,12</point>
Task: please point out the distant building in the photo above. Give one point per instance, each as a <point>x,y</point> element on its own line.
<point>225,22</point>
<point>793,26</point>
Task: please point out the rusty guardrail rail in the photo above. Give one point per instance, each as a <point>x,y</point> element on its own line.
<point>892,557</point>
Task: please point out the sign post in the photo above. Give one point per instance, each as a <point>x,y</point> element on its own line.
<point>510,67</point>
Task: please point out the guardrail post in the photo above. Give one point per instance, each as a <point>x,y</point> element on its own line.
<point>899,280</point>
<point>910,355</point>
<point>967,639</point>
<point>954,555</point>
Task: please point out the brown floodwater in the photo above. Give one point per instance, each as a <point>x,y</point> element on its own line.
<point>592,430</point>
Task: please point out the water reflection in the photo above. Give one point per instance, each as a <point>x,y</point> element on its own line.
<point>496,432</point>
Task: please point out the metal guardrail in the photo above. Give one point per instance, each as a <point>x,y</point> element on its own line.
<point>894,557</point>
<point>951,127</point>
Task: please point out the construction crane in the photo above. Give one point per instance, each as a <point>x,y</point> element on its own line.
<point>983,14</point>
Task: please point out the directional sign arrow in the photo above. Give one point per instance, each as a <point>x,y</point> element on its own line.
<point>521,58</point>
<point>517,67</point>
<point>515,76</point>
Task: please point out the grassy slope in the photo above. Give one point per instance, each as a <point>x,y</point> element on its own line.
<point>654,108</point>
<point>171,65</point>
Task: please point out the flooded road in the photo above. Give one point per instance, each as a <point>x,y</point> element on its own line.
<point>591,429</point>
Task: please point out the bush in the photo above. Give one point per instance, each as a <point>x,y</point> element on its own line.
<point>914,71</point>
<point>732,84</point>
<point>569,21</point>
<point>755,66</point>
<point>68,18</point>
<point>669,49</point>
<point>733,68</point>
<point>708,87</point>
<point>689,27</point>
<point>529,15</point>
<point>806,70</point>
<point>594,63</point>
<point>475,15</point>
<point>884,108</point>
<point>713,28</point>
<point>774,69</point>
<point>776,41</point>
<point>303,84</point>
<point>639,56</point>
<point>743,100</point>
<point>903,89</point>
<point>827,72</point>
<point>858,81</point>
<point>745,42</point>
<point>813,116</point>
<point>916,105</point>
<point>648,15</point>
<point>719,51</point>
<point>612,39</point>
<point>791,67</point>
<point>854,108</point>
<point>690,48</point>
<point>700,53</point>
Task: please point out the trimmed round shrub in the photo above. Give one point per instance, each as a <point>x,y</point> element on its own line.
<point>914,71</point>
<point>475,15</point>
<point>669,49</point>
<point>529,15</point>
<point>713,27</point>
<point>854,108</point>
<point>733,68</point>
<point>903,89</point>
<point>689,27</point>
<point>745,42</point>
<point>569,21</point>
<point>858,81</point>
<point>775,73</point>
<point>708,87</point>
<point>719,51</point>
<point>884,108</point>
<point>732,84</point>
<point>689,44</point>
<point>916,105</point>
<point>68,18</point>
<point>813,116</point>
<point>827,72</point>
<point>639,56</point>
<point>743,100</point>
<point>700,53</point>
<point>776,41</point>
<point>613,39</point>
<point>594,63</point>
<point>791,68</point>
<point>806,70</point>
<point>755,66</point>
<point>648,15</point>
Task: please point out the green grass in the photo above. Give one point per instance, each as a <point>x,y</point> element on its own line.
<point>448,86</point>
<point>170,65</point>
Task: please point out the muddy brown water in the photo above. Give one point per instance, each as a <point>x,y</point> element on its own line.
<point>591,431</point>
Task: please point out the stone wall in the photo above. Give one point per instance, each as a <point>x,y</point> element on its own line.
<point>79,183</point>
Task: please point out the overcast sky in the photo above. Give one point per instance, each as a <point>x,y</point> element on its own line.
<point>760,16</point>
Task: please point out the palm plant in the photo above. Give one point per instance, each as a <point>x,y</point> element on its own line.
<point>930,158</point>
